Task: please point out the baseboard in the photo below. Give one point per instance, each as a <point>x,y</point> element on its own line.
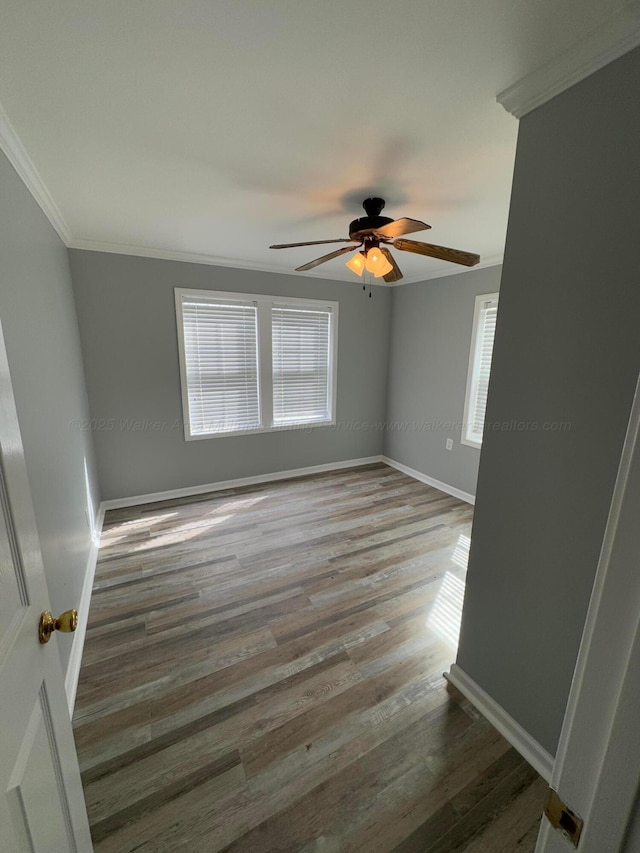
<point>431,481</point>
<point>528,747</point>
<point>77,647</point>
<point>172,494</point>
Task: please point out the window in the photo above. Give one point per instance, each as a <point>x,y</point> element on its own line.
<point>251,363</point>
<point>300,365</point>
<point>475,405</point>
<point>221,361</point>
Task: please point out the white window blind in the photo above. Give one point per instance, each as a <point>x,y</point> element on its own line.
<point>221,365</point>
<point>301,365</point>
<point>480,367</point>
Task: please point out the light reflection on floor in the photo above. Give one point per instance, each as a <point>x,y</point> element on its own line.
<point>191,529</point>
<point>445,616</point>
<point>460,554</point>
<point>119,532</point>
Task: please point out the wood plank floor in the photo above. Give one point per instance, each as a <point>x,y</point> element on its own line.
<point>263,672</point>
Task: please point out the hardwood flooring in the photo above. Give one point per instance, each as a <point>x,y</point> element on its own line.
<point>263,672</point>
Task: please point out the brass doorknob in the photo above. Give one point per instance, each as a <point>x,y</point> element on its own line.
<point>67,622</point>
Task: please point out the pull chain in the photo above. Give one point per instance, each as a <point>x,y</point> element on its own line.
<point>364,282</point>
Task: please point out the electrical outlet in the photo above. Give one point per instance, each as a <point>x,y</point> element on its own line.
<point>449,444</point>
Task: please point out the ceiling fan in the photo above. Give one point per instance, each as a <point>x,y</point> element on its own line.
<point>371,234</point>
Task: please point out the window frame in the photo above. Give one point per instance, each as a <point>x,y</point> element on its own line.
<point>264,304</point>
<point>473,370</point>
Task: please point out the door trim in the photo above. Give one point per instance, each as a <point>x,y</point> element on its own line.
<point>597,767</point>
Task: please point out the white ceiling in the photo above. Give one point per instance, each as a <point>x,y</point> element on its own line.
<point>211,128</point>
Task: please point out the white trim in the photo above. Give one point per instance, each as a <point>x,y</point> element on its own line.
<point>260,430</point>
<point>528,747</point>
<point>189,491</point>
<point>75,658</point>
<point>19,158</point>
<point>430,481</point>
<point>154,253</point>
<point>264,329</point>
<point>615,37</point>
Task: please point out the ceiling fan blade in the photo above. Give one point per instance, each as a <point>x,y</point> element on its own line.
<point>328,257</point>
<point>395,274</point>
<point>467,259</point>
<point>312,243</point>
<point>402,226</point>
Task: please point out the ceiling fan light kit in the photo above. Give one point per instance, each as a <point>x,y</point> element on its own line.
<point>369,232</point>
<point>357,263</point>
<point>376,263</point>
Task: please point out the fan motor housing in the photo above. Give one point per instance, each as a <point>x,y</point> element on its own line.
<point>373,220</point>
<point>368,223</point>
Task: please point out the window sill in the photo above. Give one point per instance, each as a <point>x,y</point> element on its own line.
<point>470,442</point>
<point>259,430</point>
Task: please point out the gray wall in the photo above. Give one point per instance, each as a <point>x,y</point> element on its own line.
<point>127,320</point>
<point>428,361</point>
<point>43,347</point>
<point>567,349</point>
<point>632,840</point>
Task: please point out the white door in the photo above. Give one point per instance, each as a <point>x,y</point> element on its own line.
<point>41,801</point>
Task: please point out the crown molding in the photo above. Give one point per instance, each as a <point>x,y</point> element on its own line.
<point>23,164</point>
<point>617,36</point>
<point>190,258</point>
<point>491,261</point>
<point>235,263</point>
